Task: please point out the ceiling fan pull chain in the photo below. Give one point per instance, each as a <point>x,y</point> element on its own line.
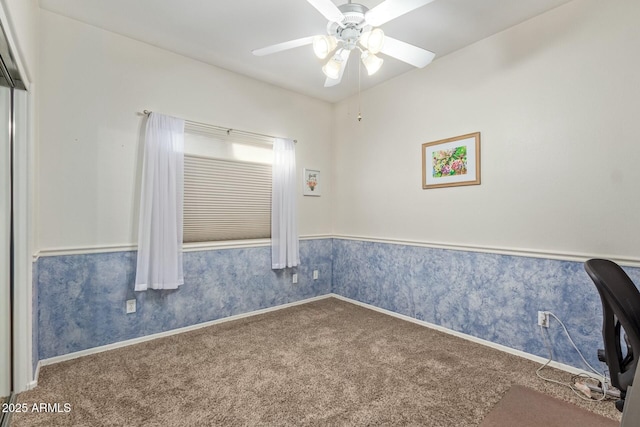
<point>359,72</point>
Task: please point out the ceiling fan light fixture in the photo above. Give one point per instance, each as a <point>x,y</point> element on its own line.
<point>371,62</point>
<point>355,27</point>
<point>332,68</point>
<point>373,40</point>
<point>324,45</point>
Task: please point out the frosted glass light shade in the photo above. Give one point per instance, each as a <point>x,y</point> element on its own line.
<point>323,45</point>
<point>373,40</point>
<point>332,68</point>
<point>371,62</point>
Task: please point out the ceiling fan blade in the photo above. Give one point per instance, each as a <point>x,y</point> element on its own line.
<point>333,82</point>
<point>328,9</point>
<point>391,9</point>
<point>282,46</point>
<point>406,52</point>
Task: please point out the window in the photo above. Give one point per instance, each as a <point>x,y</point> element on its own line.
<point>227,186</point>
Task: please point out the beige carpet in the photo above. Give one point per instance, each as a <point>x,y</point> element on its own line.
<point>324,363</point>
<point>524,407</point>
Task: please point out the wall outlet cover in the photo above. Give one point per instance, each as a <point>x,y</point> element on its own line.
<point>131,306</point>
<point>543,319</point>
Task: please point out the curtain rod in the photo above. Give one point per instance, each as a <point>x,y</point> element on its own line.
<point>228,130</point>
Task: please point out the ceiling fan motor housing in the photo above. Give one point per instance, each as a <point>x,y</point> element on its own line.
<point>352,26</point>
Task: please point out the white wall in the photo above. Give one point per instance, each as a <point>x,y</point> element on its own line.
<point>557,100</point>
<point>94,83</point>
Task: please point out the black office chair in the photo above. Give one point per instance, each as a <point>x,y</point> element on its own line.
<point>621,308</point>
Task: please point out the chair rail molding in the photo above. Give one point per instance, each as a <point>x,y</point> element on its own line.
<point>521,252</point>
<point>256,243</point>
<point>188,247</point>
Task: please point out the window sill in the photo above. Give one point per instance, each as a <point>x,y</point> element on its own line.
<point>225,244</point>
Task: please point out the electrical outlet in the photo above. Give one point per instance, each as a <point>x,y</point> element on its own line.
<point>543,319</point>
<point>131,306</point>
<point>295,278</point>
<point>315,274</point>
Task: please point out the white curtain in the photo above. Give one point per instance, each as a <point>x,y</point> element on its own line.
<point>284,216</point>
<point>160,223</point>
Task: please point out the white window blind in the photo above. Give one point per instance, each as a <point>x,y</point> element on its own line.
<point>227,187</point>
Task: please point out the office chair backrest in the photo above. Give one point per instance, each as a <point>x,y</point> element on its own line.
<point>621,307</point>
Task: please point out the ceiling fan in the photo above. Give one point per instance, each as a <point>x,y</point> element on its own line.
<point>353,26</point>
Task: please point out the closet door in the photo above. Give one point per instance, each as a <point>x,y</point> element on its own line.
<point>5,215</point>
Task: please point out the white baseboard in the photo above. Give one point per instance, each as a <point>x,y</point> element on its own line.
<point>33,384</point>
<point>95,350</point>
<point>504,348</point>
<point>102,348</point>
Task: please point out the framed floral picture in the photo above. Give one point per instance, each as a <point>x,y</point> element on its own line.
<point>312,182</point>
<point>451,162</point>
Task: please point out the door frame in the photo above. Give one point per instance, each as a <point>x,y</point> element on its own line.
<point>23,203</point>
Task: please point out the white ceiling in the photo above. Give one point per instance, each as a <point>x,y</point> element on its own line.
<point>224,33</point>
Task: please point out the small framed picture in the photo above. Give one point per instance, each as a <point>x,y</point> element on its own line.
<point>451,162</point>
<point>312,182</point>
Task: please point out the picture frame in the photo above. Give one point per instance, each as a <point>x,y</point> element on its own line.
<point>451,162</point>
<point>312,182</point>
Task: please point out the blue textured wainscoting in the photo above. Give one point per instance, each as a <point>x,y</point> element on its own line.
<point>81,298</point>
<point>489,296</point>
